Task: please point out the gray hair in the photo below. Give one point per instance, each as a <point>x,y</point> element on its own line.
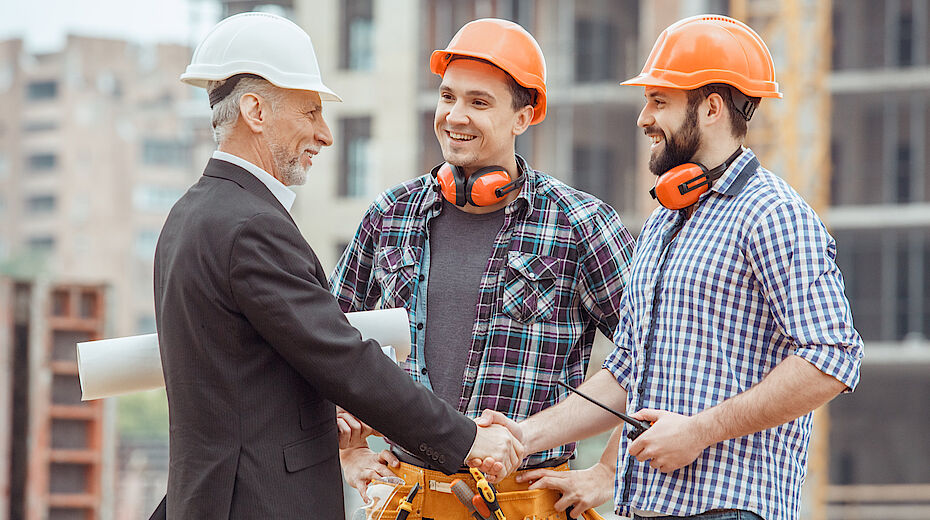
<point>226,112</point>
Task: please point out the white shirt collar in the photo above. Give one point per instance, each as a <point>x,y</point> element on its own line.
<point>281,192</point>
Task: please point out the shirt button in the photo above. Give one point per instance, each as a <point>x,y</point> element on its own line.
<point>422,277</point>
<point>419,326</point>
<point>423,371</point>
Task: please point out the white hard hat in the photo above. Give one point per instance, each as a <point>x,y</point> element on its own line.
<point>262,44</point>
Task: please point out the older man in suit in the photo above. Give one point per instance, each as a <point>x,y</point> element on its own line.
<point>255,349</point>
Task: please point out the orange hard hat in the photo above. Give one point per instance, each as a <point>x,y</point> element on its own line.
<point>505,44</point>
<point>707,49</point>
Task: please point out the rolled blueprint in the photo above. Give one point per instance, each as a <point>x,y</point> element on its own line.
<point>111,367</point>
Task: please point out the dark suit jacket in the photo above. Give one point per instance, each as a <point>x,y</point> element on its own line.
<point>255,352</point>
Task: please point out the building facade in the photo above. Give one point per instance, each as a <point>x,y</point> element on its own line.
<point>97,142</point>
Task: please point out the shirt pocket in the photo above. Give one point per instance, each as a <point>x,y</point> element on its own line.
<point>529,287</point>
<point>396,272</point>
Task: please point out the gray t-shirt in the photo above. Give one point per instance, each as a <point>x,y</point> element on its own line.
<point>460,247</point>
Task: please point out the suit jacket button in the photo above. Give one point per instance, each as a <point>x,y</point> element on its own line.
<point>442,459</point>
<point>423,447</point>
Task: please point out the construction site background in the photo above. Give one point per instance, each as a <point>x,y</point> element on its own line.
<point>98,139</point>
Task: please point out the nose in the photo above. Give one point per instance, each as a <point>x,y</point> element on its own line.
<point>323,133</point>
<point>645,118</point>
<point>457,114</point>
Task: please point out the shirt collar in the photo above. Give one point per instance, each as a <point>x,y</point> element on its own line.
<point>281,192</point>
<point>738,174</point>
<point>432,199</point>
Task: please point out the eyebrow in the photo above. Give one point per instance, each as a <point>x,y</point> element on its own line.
<point>471,93</point>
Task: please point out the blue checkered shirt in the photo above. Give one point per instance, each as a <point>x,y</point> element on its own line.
<point>555,276</point>
<point>749,280</point>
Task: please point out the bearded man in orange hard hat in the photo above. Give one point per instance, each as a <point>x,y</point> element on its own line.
<point>735,326</point>
<point>506,273</point>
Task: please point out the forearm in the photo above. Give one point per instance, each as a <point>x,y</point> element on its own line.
<point>792,389</point>
<point>609,457</point>
<point>575,418</point>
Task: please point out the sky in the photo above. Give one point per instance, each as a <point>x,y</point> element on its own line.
<point>44,24</point>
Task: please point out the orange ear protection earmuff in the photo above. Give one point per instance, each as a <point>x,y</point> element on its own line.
<point>485,187</point>
<point>681,186</point>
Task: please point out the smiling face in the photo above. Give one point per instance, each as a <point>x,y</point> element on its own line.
<point>671,123</point>
<point>297,133</point>
<point>475,121</point>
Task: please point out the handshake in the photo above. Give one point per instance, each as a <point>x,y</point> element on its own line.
<point>499,446</point>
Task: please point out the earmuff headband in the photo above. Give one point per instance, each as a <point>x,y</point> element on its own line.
<point>681,186</point>
<point>485,187</point>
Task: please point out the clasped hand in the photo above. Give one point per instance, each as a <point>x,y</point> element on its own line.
<point>498,449</point>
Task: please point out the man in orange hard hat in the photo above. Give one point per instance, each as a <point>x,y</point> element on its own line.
<point>506,273</point>
<point>734,324</point>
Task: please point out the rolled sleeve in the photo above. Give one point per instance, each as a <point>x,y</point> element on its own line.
<point>620,361</point>
<point>793,257</point>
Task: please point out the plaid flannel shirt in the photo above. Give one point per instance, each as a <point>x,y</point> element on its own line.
<point>556,273</point>
<point>749,280</point>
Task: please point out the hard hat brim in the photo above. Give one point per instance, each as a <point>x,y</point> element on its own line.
<point>650,80</point>
<point>202,78</point>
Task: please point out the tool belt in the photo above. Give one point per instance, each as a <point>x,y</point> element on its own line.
<point>435,500</point>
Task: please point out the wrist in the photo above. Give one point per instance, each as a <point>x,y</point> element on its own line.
<point>704,426</point>
<point>528,434</point>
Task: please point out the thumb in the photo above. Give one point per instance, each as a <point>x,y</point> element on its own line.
<point>489,417</point>
<point>648,414</point>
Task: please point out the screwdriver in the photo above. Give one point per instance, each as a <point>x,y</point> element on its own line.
<point>638,426</point>
<point>465,496</point>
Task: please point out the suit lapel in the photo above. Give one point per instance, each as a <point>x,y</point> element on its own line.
<point>248,182</point>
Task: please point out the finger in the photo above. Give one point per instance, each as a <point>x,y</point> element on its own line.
<point>576,511</point>
<point>635,447</point>
<point>549,483</point>
<point>345,434</point>
<point>484,465</point>
<point>534,474</point>
<point>485,419</point>
<point>649,414</point>
<point>389,459</point>
<point>564,503</point>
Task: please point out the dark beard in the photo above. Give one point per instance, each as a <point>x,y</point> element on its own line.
<point>679,147</point>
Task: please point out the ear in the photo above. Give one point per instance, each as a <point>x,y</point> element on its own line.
<point>521,120</point>
<point>712,109</point>
<point>253,110</point>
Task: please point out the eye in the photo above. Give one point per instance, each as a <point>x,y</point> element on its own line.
<point>480,103</point>
<point>445,96</point>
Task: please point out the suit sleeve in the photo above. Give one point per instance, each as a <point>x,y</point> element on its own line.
<point>271,279</point>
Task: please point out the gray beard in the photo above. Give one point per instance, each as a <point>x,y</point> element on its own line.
<point>289,167</point>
